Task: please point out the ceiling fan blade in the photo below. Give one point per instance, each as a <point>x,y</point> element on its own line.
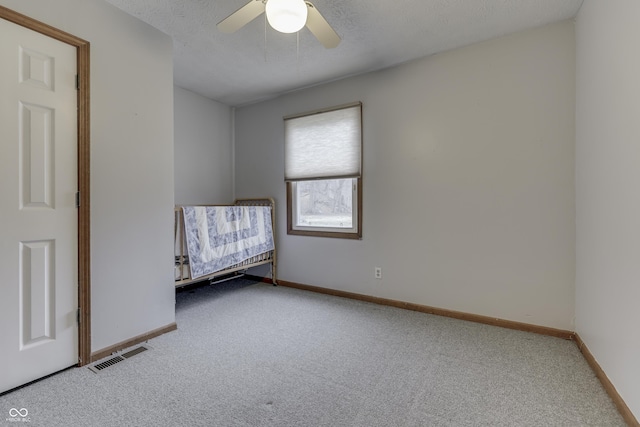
<point>242,16</point>
<point>321,28</point>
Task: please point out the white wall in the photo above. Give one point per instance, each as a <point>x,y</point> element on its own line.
<point>203,161</point>
<point>131,165</point>
<point>468,180</point>
<point>607,195</point>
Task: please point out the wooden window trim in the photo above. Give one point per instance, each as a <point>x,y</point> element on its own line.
<point>334,234</point>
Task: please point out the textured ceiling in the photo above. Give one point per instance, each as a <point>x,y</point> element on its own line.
<point>246,67</point>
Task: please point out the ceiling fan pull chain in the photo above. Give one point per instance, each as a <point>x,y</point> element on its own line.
<point>265,38</point>
<point>298,54</point>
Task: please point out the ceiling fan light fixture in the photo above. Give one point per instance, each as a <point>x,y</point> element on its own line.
<point>286,16</point>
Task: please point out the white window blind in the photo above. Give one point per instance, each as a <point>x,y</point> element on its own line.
<point>324,144</point>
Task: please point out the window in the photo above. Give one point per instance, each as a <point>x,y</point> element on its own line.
<point>323,172</point>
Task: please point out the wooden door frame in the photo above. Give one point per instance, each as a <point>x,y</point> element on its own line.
<point>84,254</point>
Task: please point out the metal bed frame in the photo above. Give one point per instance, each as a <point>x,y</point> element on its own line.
<point>236,270</point>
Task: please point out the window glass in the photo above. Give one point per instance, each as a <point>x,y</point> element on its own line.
<point>325,203</point>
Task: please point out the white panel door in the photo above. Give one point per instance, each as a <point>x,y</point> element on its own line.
<point>38,217</point>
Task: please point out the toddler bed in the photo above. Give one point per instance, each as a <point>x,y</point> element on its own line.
<point>223,241</point>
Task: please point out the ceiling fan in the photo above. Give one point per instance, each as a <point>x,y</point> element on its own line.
<point>286,16</point>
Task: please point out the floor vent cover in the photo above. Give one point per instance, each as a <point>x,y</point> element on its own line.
<point>133,352</point>
<point>102,365</point>
<point>117,359</point>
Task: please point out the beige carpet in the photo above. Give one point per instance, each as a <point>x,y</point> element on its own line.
<point>249,354</point>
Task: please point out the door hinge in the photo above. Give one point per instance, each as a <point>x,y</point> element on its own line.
<point>78,316</point>
<point>77,81</point>
<point>77,199</point>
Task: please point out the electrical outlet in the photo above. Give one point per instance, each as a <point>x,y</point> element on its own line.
<point>378,272</point>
